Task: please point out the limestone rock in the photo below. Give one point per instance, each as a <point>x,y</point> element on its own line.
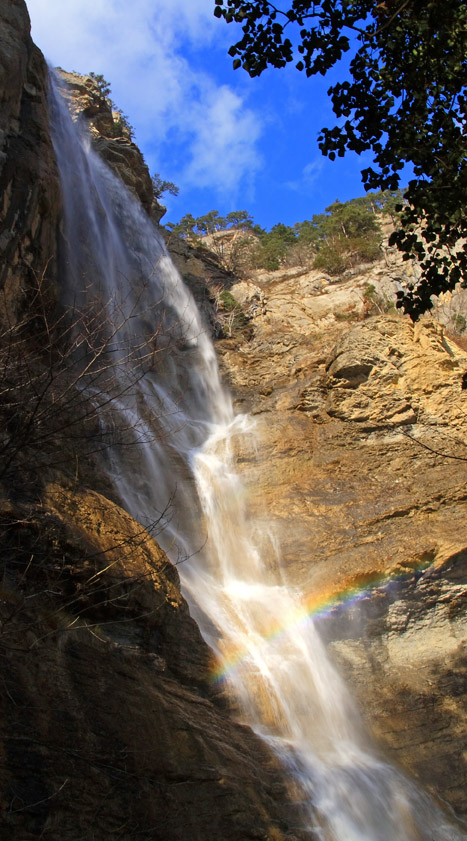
<point>251,297</point>
<point>387,372</point>
<point>358,472</point>
<point>403,649</point>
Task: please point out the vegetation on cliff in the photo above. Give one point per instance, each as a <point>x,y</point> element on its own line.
<point>346,234</point>
<point>403,98</point>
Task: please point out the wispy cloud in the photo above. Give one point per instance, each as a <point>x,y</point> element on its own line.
<point>181,113</point>
<point>312,171</point>
<point>309,176</point>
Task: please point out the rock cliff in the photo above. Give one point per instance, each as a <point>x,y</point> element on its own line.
<point>110,725</point>
<point>359,471</point>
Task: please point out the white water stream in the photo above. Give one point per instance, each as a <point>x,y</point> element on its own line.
<point>173,425</point>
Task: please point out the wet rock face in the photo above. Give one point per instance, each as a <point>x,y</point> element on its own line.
<point>403,649</point>
<point>29,189</point>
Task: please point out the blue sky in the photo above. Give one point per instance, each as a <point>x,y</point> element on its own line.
<point>229,142</point>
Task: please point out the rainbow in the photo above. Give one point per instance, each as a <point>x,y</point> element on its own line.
<point>317,606</point>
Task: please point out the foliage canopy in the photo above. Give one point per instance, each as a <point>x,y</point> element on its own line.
<point>211,222</point>
<point>405,100</point>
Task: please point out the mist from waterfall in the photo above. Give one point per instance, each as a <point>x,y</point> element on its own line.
<point>169,427</point>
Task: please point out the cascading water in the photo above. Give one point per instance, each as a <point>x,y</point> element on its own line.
<point>175,425</point>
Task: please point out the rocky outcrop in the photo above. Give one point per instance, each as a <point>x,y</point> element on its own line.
<point>29,191</point>
<point>388,373</point>
<point>111,138</point>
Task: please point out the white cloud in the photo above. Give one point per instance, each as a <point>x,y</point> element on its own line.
<point>224,142</point>
<point>140,47</point>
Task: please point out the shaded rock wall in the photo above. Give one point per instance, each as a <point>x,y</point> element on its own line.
<point>202,272</point>
<point>29,203</point>
<point>110,725</point>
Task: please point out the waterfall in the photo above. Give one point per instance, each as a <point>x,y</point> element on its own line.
<point>170,427</point>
